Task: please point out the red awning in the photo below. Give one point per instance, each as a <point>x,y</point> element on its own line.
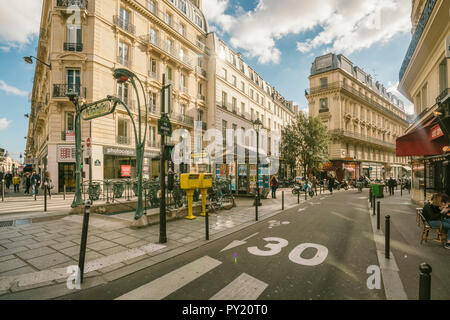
<point>420,142</point>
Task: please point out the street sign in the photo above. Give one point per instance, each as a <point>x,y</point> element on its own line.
<point>97,109</point>
<point>164,126</point>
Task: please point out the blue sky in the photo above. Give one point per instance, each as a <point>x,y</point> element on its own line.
<point>278,38</point>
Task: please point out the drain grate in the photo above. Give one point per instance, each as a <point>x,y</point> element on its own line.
<point>6,223</point>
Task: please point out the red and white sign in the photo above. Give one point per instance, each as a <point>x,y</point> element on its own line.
<point>66,153</point>
<point>88,142</point>
<point>70,136</point>
<point>436,132</point>
<point>125,171</point>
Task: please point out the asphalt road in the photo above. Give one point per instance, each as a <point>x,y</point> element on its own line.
<point>321,251</point>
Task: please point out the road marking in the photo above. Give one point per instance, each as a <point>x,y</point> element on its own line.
<point>276,223</point>
<point>244,287</point>
<point>275,248</point>
<point>319,257</point>
<point>341,216</point>
<point>301,209</point>
<point>237,243</point>
<point>164,286</point>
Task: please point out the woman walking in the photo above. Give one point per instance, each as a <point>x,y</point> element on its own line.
<point>274,186</point>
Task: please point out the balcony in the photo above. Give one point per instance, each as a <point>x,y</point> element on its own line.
<point>444,96</point>
<point>171,50</point>
<point>153,144</point>
<point>73,46</point>
<point>200,71</point>
<point>183,89</point>
<point>123,61</point>
<point>128,27</point>
<point>131,104</point>
<point>61,90</point>
<point>123,140</point>
<point>82,4</point>
<point>361,137</point>
<point>182,118</point>
<point>340,85</point>
<point>153,75</point>
<point>200,97</point>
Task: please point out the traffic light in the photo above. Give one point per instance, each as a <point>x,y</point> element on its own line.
<point>168,150</point>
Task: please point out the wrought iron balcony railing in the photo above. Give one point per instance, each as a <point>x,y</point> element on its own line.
<point>124,25</point>
<point>61,90</point>
<point>73,46</point>
<point>443,96</point>
<point>82,4</point>
<point>200,71</point>
<point>123,140</point>
<point>153,75</point>
<point>182,118</point>
<point>362,137</point>
<point>171,50</point>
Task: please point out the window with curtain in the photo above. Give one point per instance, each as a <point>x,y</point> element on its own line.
<point>73,80</point>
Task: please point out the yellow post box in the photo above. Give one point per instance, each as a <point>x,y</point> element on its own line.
<point>205,184</point>
<point>189,182</point>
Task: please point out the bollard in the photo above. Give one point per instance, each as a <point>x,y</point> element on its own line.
<point>387,234</point>
<point>64,194</point>
<point>282,200</point>
<point>370,197</point>
<point>84,233</point>
<point>401,191</point>
<point>306,195</point>
<point>374,205</point>
<point>378,215</point>
<point>298,198</point>
<point>3,190</point>
<point>425,281</point>
<point>45,196</point>
<point>206,223</point>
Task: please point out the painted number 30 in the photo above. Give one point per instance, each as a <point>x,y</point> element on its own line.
<point>276,244</point>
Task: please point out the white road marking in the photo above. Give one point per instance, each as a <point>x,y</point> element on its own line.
<point>321,255</point>
<point>237,243</point>
<point>164,286</point>
<point>301,209</point>
<point>275,248</point>
<point>244,287</point>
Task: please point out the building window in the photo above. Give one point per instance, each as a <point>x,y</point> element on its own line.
<point>182,6</point>
<point>182,30</point>
<point>124,19</point>
<point>198,21</point>
<point>169,74</point>
<point>74,39</point>
<point>152,6</point>
<point>251,93</point>
<point>233,104</point>
<point>443,74</point>
<point>242,108</point>
<point>169,45</point>
<point>153,36</point>
<point>153,98</point>
<point>224,133</point>
<point>122,131</point>
<point>168,18</point>
<point>123,53</point>
<point>70,121</point>
<point>323,105</point>
<point>73,80</point>
<point>224,73</point>
<point>323,82</point>
<point>234,81</point>
<point>224,99</point>
<point>200,115</point>
<point>122,92</point>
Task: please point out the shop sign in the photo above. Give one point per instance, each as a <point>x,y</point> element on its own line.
<point>97,109</point>
<point>436,132</point>
<point>125,170</point>
<point>66,153</point>
<point>70,135</point>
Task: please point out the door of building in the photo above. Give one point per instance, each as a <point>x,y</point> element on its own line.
<point>66,176</point>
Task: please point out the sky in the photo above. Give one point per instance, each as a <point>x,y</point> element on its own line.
<point>278,38</point>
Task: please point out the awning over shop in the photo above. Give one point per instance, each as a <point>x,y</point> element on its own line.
<point>426,140</point>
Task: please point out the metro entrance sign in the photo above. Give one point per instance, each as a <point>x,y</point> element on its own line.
<point>97,109</point>
<point>164,126</point>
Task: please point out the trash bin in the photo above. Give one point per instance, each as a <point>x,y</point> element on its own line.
<point>94,191</point>
<point>377,190</point>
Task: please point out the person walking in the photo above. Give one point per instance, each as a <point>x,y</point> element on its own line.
<point>49,184</point>
<point>16,183</point>
<point>331,184</point>
<point>391,185</point>
<point>35,182</point>
<point>8,180</point>
<point>27,183</point>
<point>274,186</point>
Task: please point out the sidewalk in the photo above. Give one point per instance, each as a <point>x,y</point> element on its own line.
<point>407,250</point>
<point>37,255</point>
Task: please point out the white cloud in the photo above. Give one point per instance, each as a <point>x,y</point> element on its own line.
<point>5,48</point>
<point>12,90</point>
<point>4,123</point>
<point>346,25</point>
<point>392,88</point>
<point>19,21</point>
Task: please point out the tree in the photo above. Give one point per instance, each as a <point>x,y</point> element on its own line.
<point>305,142</point>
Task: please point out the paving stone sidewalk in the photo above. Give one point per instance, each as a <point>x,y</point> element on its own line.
<point>42,251</point>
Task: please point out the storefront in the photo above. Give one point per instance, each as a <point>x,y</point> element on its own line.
<point>120,163</point>
<point>66,158</point>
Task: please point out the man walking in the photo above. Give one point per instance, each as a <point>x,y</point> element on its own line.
<point>391,184</point>
<point>35,182</point>
<point>16,182</point>
<point>27,183</point>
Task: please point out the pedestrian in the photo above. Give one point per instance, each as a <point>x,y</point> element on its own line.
<point>49,185</point>
<point>391,185</point>
<point>331,184</point>
<point>27,183</point>
<point>435,217</point>
<point>8,180</point>
<point>35,182</point>
<point>16,182</point>
<point>274,186</point>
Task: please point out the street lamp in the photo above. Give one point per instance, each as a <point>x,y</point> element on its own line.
<point>122,76</point>
<point>257,125</point>
<point>29,60</point>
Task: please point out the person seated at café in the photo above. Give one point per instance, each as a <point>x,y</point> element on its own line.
<point>435,212</point>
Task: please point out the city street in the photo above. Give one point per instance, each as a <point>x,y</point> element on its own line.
<point>261,262</point>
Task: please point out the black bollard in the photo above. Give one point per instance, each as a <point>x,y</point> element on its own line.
<point>387,235</point>
<point>370,197</point>
<point>378,215</point>
<point>45,196</point>
<point>298,198</point>
<point>84,233</point>
<point>282,200</point>
<point>425,282</point>
<point>3,190</point>
<point>206,223</point>
<point>401,191</point>
<point>306,195</point>
<point>64,195</point>
<point>374,205</point>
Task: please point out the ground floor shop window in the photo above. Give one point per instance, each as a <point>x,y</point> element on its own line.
<point>114,165</point>
<point>66,177</point>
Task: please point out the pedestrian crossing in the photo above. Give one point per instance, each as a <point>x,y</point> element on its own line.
<point>244,287</point>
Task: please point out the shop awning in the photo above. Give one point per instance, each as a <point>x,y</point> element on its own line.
<point>422,142</point>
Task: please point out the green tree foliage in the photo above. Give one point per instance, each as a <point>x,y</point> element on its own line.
<point>305,142</point>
